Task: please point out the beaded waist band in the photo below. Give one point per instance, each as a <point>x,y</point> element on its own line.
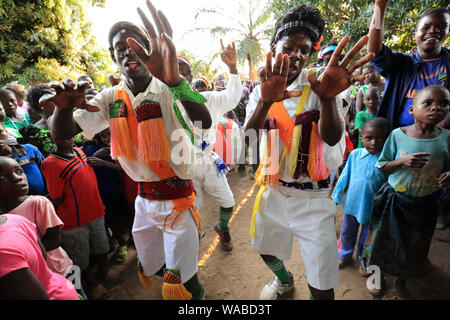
<point>168,189</point>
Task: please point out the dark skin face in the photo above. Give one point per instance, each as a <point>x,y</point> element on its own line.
<point>373,139</point>
<point>2,113</point>
<point>9,101</point>
<point>371,75</point>
<point>431,106</point>
<point>5,149</point>
<point>371,100</point>
<point>105,137</point>
<point>185,71</point>
<point>13,181</point>
<point>86,79</point>
<point>326,59</point>
<point>298,47</point>
<point>431,33</point>
<point>136,75</point>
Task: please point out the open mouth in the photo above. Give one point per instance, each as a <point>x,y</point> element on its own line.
<point>432,39</point>
<point>132,64</point>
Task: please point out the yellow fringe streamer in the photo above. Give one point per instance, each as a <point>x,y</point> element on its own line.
<point>173,289</point>
<point>153,142</point>
<point>317,169</point>
<point>295,145</point>
<point>124,146</point>
<point>257,205</point>
<point>256,208</point>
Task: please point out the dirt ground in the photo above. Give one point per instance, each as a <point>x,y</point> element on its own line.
<point>241,274</point>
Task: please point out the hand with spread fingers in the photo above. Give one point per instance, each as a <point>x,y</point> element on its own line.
<point>161,61</point>
<point>273,80</point>
<point>338,76</point>
<point>68,94</point>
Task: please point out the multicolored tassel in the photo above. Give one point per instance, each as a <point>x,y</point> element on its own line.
<point>317,169</point>
<point>172,288</point>
<point>152,136</point>
<point>123,147</point>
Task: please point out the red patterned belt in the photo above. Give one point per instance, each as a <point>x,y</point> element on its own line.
<point>168,189</point>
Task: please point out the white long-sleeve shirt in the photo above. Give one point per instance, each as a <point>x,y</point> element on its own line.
<point>219,103</point>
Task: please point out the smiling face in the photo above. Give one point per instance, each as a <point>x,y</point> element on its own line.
<point>431,32</point>
<point>13,181</point>
<point>124,56</point>
<point>298,47</point>
<point>431,105</point>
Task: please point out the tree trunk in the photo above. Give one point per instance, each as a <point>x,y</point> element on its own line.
<point>251,69</point>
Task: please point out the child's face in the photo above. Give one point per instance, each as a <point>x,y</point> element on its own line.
<point>298,47</point>
<point>432,31</point>
<point>431,107</point>
<point>3,137</point>
<point>373,139</point>
<point>371,76</point>
<point>371,100</point>
<point>13,181</point>
<point>185,71</point>
<point>2,113</point>
<point>105,137</point>
<point>8,99</point>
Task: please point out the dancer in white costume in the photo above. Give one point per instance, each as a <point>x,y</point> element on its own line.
<point>212,175</point>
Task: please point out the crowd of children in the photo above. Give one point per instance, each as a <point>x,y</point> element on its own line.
<point>86,173</point>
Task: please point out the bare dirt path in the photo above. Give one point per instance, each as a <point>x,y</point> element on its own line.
<point>241,274</point>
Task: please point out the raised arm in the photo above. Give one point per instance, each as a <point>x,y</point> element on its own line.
<point>162,61</point>
<point>376,32</point>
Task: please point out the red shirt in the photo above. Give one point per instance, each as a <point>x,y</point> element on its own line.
<point>72,179</point>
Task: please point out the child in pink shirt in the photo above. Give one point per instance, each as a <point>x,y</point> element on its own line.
<point>23,271</point>
<point>37,209</point>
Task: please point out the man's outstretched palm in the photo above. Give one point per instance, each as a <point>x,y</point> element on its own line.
<point>337,77</point>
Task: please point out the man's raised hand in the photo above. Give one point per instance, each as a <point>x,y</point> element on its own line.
<point>274,79</point>
<point>338,76</point>
<point>161,59</point>
<point>228,55</point>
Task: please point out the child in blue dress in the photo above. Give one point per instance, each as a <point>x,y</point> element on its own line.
<point>361,178</point>
<point>404,214</point>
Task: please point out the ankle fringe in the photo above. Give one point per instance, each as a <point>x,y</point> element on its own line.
<point>172,288</point>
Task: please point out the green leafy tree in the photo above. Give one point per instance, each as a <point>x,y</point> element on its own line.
<point>44,40</point>
<point>353,18</point>
<point>249,29</point>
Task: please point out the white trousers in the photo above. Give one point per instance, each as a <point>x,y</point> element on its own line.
<point>177,247</point>
<point>311,220</point>
<point>214,184</point>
